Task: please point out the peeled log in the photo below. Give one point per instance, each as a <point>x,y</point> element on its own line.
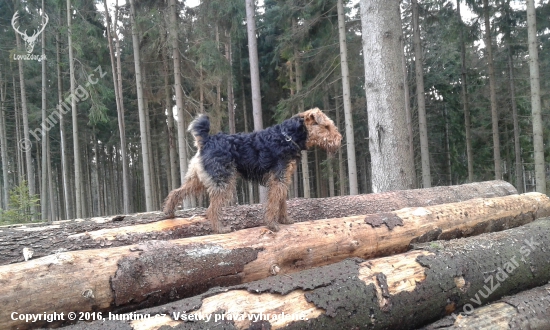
<point>120,230</point>
<point>146,274</point>
<point>403,291</point>
<point>526,310</point>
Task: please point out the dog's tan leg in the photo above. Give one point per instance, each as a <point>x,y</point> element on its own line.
<point>275,209</point>
<point>191,186</point>
<point>220,196</point>
<point>283,213</point>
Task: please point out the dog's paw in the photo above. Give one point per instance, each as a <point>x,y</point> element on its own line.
<point>221,229</point>
<point>273,226</point>
<point>286,220</point>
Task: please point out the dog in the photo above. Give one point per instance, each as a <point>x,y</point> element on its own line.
<point>268,157</point>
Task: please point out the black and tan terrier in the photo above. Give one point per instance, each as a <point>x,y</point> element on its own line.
<point>268,156</point>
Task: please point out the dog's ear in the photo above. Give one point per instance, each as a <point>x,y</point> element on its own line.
<point>315,117</point>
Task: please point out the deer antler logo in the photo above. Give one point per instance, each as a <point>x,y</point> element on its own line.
<point>29,40</point>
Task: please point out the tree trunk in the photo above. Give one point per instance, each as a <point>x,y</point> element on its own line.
<point>19,151</point>
<point>27,145</point>
<point>538,142</point>
<point>254,77</point>
<point>201,90</point>
<point>422,122</point>
<point>492,92</point>
<point>525,310</point>
<point>515,119</point>
<point>392,168</point>
<point>44,196</point>
<point>173,175</point>
<point>67,200</point>
<point>178,88</point>
<point>350,140</point>
<point>448,147</point>
<point>78,176</point>
<point>156,271</point>
<point>304,158</point>
<point>466,105</point>
<point>51,199</point>
<point>230,96</point>
<point>250,186</point>
<point>408,112</point>
<point>125,230</point>
<point>121,123</point>
<point>4,144</point>
<point>120,110</point>
<point>398,292</point>
<point>148,137</point>
<point>330,158</point>
<point>341,165</point>
<point>145,152</point>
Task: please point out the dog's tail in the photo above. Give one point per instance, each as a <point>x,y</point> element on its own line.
<point>200,128</point>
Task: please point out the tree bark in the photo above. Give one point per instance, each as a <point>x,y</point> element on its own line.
<point>67,201</point>
<point>392,168</point>
<point>515,119</point>
<point>178,89</point>
<point>27,143</point>
<point>408,112</point>
<point>4,144</point>
<point>538,142</point>
<point>78,176</point>
<point>330,158</point>
<point>350,139</point>
<point>172,154</point>
<point>120,111</point>
<point>44,196</point>
<point>145,152</point>
<point>525,310</point>
<point>105,232</point>
<point>249,184</point>
<point>465,102</point>
<point>230,95</point>
<point>395,292</point>
<point>492,92</point>
<point>121,123</point>
<point>448,147</point>
<point>304,159</point>
<point>51,199</point>
<point>420,98</point>
<point>254,76</point>
<point>19,151</point>
<point>341,165</point>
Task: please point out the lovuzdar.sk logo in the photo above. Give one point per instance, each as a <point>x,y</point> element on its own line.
<point>30,41</point>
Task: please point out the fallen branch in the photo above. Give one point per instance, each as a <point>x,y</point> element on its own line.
<point>403,291</point>
<point>123,230</point>
<point>146,274</point>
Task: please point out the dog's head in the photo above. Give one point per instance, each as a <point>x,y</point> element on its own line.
<point>321,130</point>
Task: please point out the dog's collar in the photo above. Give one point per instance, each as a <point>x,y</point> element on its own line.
<point>288,138</point>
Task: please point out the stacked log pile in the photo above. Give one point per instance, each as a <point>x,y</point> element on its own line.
<point>316,273</point>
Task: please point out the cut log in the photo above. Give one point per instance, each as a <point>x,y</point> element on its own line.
<point>526,310</point>
<point>404,291</point>
<point>149,273</point>
<point>96,233</point>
